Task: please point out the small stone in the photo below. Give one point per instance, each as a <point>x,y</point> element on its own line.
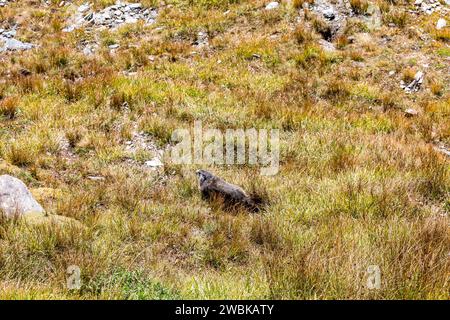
<point>130,20</point>
<point>443,150</point>
<point>329,14</point>
<point>135,6</point>
<point>391,73</point>
<point>411,112</point>
<point>112,16</point>
<point>441,23</point>
<point>419,76</point>
<point>24,72</point>
<point>9,34</point>
<point>415,85</point>
<point>96,178</point>
<point>68,29</point>
<point>272,5</point>
<point>113,46</point>
<point>154,163</point>
<point>89,17</point>
<point>84,7</point>
<point>327,46</point>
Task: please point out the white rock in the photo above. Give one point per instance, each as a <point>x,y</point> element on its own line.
<point>96,178</point>
<point>419,76</point>
<point>130,20</point>
<point>9,34</point>
<point>154,163</point>
<point>68,29</point>
<point>441,24</point>
<point>411,112</point>
<point>272,5</point>
<point>329,13</point>
<point>327,46</point>
<point>415,85</point>
<point>13,44</point>
<point>15,198</point>
<point>443,150</point>
<point>84,7</point>
<point>135,6</point>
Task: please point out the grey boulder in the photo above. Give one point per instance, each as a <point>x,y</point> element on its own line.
<point>15,198</point>
<point>13,44</point>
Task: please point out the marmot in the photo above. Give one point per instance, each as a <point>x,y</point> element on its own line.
<point>232,195</point>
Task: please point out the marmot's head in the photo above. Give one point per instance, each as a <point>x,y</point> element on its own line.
<point>203,175</point>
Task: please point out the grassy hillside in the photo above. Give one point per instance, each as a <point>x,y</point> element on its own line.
<point>361,182</point>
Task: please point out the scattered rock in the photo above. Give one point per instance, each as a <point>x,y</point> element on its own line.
<point>430,6</point>
<point>411,112</point>
<point>90,49</point>
<point>335,15</point>
<point>8,43</point>
<point>96,178</point>
<point>111,17</point>
<point>15,198</point>
<point>272,5</point>
<point>202,39</point>
<point>84,7</point>
<point>442,149</point>
<point>327,46</point>
<point>141,141</point>
<point>66,151</point>
<point>414,85</point>
<point>24,72</point>
<point>441,24</point>
<point>329,14</point>
<point>154,163</point>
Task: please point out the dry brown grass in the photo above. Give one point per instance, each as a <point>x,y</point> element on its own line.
<point>359,6</point>
<point>9,107</point>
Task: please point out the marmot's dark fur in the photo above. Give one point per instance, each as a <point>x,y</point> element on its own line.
<point>213,187</point>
